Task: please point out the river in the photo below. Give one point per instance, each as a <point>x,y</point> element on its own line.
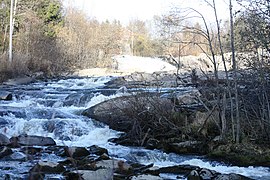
<point>53,109</point>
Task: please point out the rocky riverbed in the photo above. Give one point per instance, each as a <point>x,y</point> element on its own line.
<point>45,135</point>
<point>92,162</point>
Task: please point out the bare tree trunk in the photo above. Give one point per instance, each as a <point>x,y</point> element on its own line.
<point>10,30</point>
<point>210,44</point>
<point>223,105</point>
<point>219,40</point>
<point>237,135</point>
<point>4,40</point>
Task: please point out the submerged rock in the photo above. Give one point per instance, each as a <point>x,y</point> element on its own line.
<point>3,122</point>
<point>18,156</point>
<point>5,95</point>
<point>5,151</point>
<point>18,113</point>
<point>4,140</point>
<point>78,99</point>
<point>116,82</point>
<point>97,150</point>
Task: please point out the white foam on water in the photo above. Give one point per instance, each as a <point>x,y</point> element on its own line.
<point>88,135</point>
<point>161,159</point>
<point>21,103</point>
<point>143,156</point>
<point>255,172</point>
<point>22,126</point>
<point>101,98</point>
<point>83,132</point>
<point>84,83</point>
<point>71,109</point>
<point>97,136</point>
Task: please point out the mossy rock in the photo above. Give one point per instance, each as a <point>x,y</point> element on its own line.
<point>242,155</point>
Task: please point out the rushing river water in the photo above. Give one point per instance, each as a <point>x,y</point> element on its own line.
<point>53,109</point>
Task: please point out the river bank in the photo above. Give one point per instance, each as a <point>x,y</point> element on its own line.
<point>54,109</point>
<point>175,113</point>
<point>174,119</point>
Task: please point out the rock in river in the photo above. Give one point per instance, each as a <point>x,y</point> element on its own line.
<point>25,140</point>
<point>119,113</point>
<point>4,95</point>
<point>4,140</point>
<point>5,151</point>
<point>76,152</point>
<point>47,167</point>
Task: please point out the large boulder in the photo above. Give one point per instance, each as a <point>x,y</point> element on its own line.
<point>97,150</point>
<point>47,167</point>
<point>78,99</point>
<point>119,113</point>
<point>76,152</point>
<point>96,175</point>
<point>104,169</point>
<point>26,140</point>
<point>179,169</point>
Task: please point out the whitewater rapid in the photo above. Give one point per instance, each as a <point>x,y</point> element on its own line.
<point>39,109</point>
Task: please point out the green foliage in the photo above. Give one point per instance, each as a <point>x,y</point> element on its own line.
<point>50,12</point>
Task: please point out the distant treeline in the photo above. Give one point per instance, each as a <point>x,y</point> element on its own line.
<point>51,39</point>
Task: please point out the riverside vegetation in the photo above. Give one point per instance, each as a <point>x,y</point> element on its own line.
<point>226,115</point>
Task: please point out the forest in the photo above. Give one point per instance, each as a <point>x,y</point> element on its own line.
<point>56,41</point>
<point>188,122</point>
<point>45,33</point>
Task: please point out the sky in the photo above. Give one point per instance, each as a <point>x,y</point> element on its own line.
<point>126,10</point>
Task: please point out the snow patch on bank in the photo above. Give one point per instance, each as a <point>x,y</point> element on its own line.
<point>126,63</point>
